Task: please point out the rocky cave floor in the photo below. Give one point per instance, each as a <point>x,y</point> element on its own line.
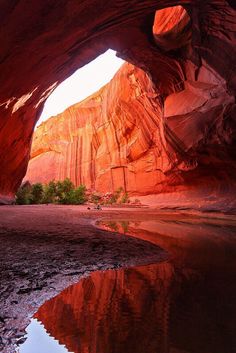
<point>44,249</point>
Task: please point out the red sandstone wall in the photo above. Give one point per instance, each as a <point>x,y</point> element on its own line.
<point>112,139</point>
<point>122,136</point>
<point>191,65</point>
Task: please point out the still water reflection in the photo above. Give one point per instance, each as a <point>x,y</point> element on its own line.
<point>184,305</point>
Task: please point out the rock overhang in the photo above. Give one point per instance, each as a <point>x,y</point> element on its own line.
<point>41,46</point>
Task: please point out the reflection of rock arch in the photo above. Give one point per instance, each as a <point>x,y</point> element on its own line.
<point>105,307</point>
<point>166,307</point>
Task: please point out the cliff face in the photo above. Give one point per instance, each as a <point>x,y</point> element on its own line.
<point>114,138</point>
<point>122,136</point>
<point>188,54</point>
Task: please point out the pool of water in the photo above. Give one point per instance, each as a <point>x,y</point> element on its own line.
<point>184,305</point>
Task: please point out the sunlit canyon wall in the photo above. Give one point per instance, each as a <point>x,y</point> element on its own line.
<point>120,137</point>
<point>170,127</point>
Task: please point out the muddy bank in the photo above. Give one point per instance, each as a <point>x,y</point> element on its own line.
<point>46,248</point>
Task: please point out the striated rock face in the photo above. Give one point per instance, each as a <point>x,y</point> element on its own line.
<point>113,139</point>
<point>120,136</point>
<point>188,54</point>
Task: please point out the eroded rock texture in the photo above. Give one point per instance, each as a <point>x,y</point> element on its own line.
<point>113,139</point>
<point>188,55</point>
<point>120,136</point>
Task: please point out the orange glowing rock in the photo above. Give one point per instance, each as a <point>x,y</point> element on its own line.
<point>168,129</point>
<point>107,141</point>
<point>119,137</point>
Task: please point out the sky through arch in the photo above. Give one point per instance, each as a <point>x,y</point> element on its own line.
<point>84,82</point>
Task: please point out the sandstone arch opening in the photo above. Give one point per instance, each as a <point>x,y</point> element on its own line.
<point>145,130</point>
<point>172,28</point>
<point>81,84</point>
<point>169,134</point>
<point>200,129</point>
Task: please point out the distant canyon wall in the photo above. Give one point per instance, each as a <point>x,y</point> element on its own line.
<point>172,128</point>
<point>126,136</point>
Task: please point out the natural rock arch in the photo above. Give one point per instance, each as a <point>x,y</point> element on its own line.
<point>44,44</point>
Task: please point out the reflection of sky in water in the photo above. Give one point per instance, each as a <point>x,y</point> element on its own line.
<point>38,341</point>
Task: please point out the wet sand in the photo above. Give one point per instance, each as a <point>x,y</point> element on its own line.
<point>44,249</point>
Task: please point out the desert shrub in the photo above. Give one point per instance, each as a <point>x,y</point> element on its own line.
<point>125,198</point>
<point>36,195</point>
<point>73,196</point>
<point>23,195</point>
<point>80,195</point>
<point>118,193</point>
<point>63,187</point>
<point>50,192</point>
<point>119,196</point>
<point>112,199</point>
<point>66,185</point>
<point>64,190</point>
<point>95,198</point>
<point>66,198</point>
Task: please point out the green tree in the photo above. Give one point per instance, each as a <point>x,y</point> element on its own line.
<point>64,190</point>
<point>80,195</point>
<point>36,196</point>
<point>74,197</point>
<point>50,192</point>
<point>23,195</point>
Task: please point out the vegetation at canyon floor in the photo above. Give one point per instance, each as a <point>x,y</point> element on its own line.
<point>65,193</point>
